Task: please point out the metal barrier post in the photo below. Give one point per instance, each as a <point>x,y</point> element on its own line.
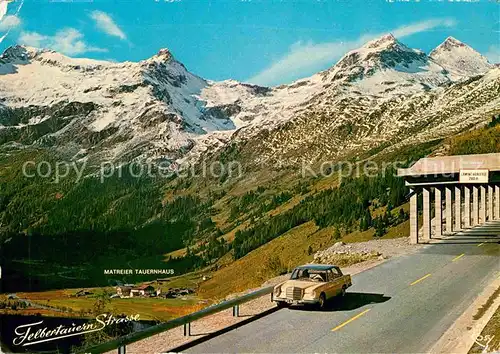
<point>187,329</point>
<point>122,349</point>
<point>236,311</point>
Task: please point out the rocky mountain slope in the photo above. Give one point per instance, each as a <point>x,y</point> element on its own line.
<point>379,95</point>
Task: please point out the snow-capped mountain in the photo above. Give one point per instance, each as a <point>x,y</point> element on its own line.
<point>344,125</point>
<point>459,59</point>
<point>385,65</point>
<point>98,107</point>
<point>381,93</point>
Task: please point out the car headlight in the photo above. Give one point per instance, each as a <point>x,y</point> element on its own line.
<point>277,290</point>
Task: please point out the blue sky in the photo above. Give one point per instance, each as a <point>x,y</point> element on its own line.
<point>266,42</point>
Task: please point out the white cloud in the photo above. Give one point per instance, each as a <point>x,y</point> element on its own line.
<point>306,58</point>
<point>68,41</point>
<point>9,22</point>
<point>423,26</point>
<point>106,24</point>
<point>493,54</point>
<point>33,39</point>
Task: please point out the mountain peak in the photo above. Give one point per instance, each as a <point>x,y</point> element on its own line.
<point>450,44</point>
<point>453,41</point>
<point>459,58</point>
<point>163,54</point>
<point>383,42</point>
<point>383,53</point>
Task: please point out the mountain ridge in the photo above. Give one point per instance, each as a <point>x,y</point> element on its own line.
<point>155,109</point>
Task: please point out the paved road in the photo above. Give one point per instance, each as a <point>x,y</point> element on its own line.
<point>402,305</point>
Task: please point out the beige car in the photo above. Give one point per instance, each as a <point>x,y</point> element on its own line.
<point>312,284</point>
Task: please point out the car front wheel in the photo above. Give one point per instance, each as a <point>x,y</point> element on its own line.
<point>322,301</point>
<point>343,291</point>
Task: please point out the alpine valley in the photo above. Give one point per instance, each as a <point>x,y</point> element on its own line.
<point>382,102</point>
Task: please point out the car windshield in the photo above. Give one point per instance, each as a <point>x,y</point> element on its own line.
<point>309,274</point>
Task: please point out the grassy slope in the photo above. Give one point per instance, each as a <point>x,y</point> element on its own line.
<point>147,308</point>
<point>491,332</point>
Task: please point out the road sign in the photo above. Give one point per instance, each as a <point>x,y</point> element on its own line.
<point>474,176</point>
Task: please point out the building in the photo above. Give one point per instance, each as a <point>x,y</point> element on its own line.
<point>145,290</point>
<point>124,291</point>
<point>466,188</point>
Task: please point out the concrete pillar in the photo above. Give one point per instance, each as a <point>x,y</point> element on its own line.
<point>482,208</point>
<point>497,202</point>
<point>490,202</point>
<point>458,208</point>
<point>438,209</point>
<point>449,210</point>
<point>426,210</point>
<point>475,205</point>
<point>467,222</point>
<point>414,218</point>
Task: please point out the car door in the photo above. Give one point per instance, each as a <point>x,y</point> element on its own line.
<point>336,281</point>
<point>344,280</point>
<point>331,285</point>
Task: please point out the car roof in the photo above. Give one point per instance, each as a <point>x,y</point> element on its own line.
<point>316,266</point>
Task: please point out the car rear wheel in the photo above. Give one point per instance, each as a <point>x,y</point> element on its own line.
<point>322,301</point>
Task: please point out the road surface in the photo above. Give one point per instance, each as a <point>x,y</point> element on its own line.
<point>402,305</point>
